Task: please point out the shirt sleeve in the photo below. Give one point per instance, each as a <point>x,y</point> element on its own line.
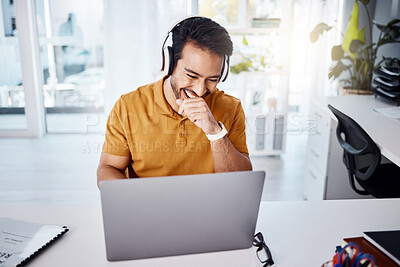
<point>115,139</point>
<point>237,132</point>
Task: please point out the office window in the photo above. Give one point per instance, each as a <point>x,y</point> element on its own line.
<point>71,42</point>
<point>226,12</point>
<point>12,102</point>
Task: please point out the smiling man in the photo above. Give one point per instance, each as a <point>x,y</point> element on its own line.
<point>181,124</point>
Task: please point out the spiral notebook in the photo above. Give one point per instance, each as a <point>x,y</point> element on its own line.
<point>20,240</point>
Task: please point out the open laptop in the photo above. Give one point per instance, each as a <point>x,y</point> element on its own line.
<point>177,215</point>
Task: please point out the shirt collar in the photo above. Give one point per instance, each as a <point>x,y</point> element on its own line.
<point>159,98</point>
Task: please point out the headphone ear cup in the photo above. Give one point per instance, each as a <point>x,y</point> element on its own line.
<point>166,58</point>
<point>167,61</point>
<point>170,57</point>
<point>225,70</point>
<point>162,60</point>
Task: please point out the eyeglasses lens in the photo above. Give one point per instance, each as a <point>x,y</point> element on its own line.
<point>262,254</point>
<point>258,239</point>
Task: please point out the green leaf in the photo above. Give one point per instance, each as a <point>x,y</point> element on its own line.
<point>383,42</point>
<point>337,52</point>
<point>336,70</point>
<point>355,45</point>
<point>349,58</point>
<point>245,65</point>
<point>393,22</point>
<point>390,31</point>
<point>393,33</point>
<point>361,35</point>
<point>352,31</point>
<point>381,27</point>
<point>319,30</point>
<point>244,41</point>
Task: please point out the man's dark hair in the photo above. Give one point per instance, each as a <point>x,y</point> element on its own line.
<point>203,33</point>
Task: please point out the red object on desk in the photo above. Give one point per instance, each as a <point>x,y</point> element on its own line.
<point>381,259</point>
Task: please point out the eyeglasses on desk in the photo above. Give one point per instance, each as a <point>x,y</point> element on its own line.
<point>263,252</point>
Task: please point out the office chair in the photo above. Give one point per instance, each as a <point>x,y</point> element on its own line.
<point>362,158</point>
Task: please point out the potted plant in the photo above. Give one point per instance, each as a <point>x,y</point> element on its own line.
<point>247,61</point>
<point>252,62</point>
<point>354,56</point>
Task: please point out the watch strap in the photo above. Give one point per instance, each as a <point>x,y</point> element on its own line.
<point>221,134</point>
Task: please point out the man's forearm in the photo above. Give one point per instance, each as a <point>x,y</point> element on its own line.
<point>106,172</point>
<point>226,157</point>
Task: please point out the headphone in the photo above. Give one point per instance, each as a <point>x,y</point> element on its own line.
<point>167,65</point>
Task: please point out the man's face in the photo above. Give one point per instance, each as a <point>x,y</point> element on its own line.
<point>197,73</point>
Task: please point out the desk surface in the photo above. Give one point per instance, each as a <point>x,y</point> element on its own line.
<point>298,233</point>
<point>383,130</point>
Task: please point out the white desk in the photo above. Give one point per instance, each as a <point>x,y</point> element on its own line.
<point>298,233</point>
<point>325,176</point>
<point>383,130</point>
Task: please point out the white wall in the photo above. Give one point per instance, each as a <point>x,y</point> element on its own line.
<point>134,31</point>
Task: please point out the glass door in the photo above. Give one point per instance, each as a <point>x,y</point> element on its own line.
<point>71,39</point>
<point>12,95</point>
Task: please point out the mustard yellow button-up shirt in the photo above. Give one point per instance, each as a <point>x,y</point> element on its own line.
<point>159,141</point>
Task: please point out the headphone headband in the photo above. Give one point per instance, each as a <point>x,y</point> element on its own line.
<point>167,65</point>
<point>174,26</point>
